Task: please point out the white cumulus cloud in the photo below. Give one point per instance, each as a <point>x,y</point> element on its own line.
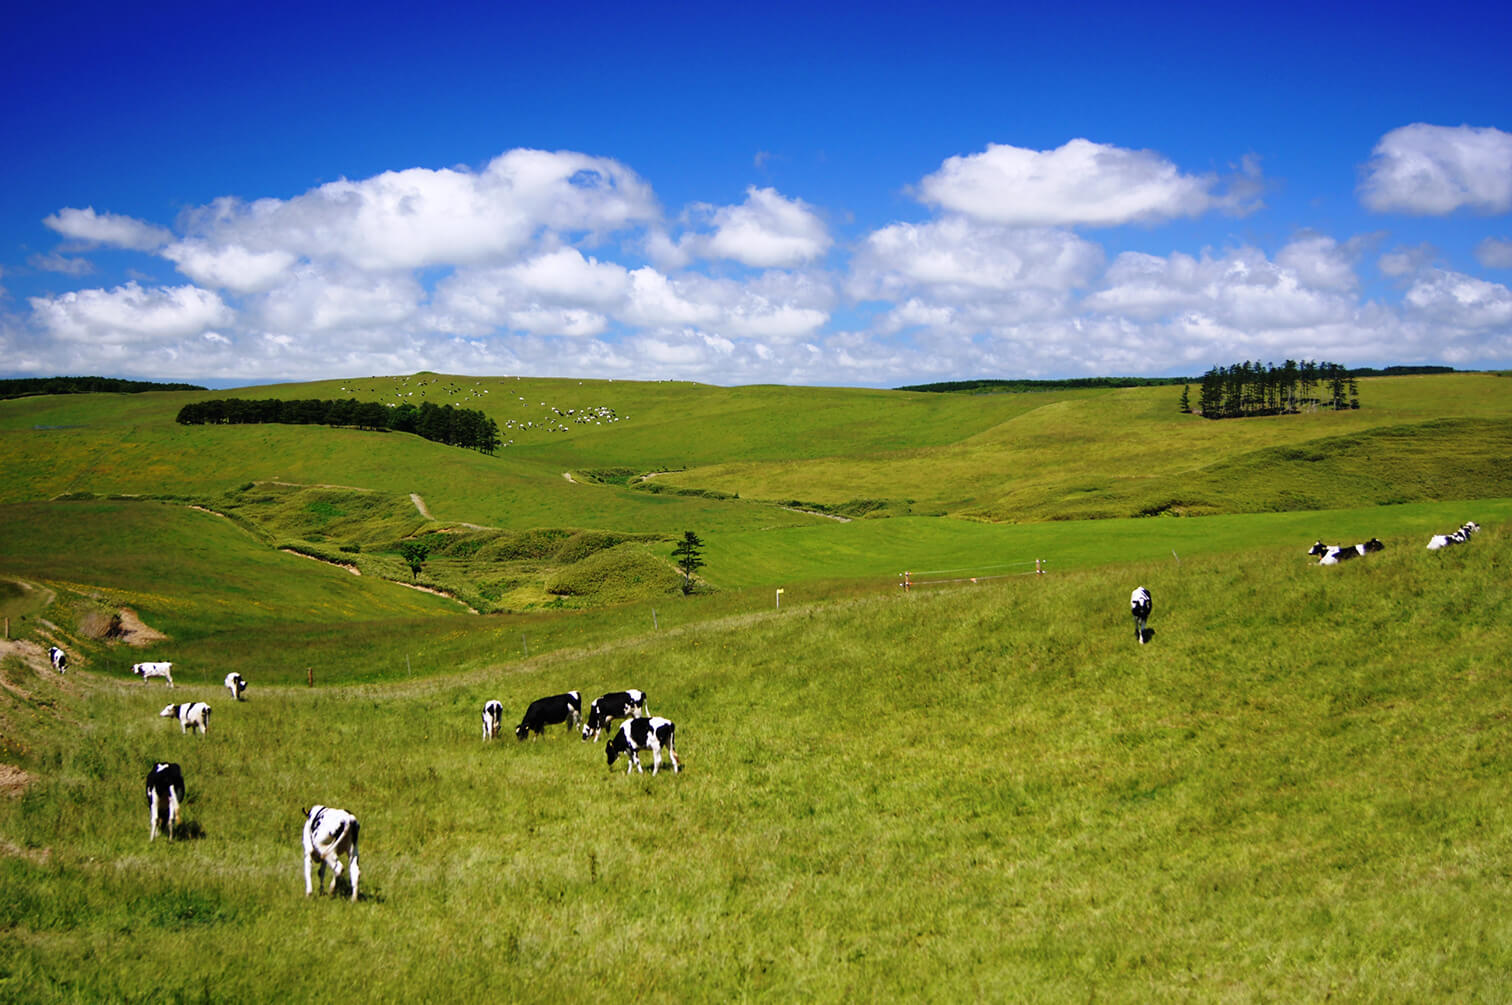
<point>108,229</point>
<point>130,313</point>
<point>1433,170</point>
<point>1494,253</point>
<point>1080,183</point>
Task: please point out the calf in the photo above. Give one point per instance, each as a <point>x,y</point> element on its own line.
<point>1458,537</point>
<point>656,734</point>
<point>614,705</point>
<point>1333,554</point>
<point>147,670</point>
<point>328,834</point>
<point>59,659</point>
<point>1140,606</point>
<point>493,719</point>
<point>196,714</point>
<point>545,712</point>
<point>165,794</point>
<point>236,685</point>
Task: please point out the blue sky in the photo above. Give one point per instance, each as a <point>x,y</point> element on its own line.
<point>795,193</point>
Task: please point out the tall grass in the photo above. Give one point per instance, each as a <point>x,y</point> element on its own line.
<point>1295,791</point>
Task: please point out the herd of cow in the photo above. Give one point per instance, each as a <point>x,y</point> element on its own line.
<point>330,833</point>
<point>1140,604</point>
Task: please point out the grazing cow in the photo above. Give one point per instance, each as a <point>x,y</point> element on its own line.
<point>1458,537</point>
<point>328,834</point>
<point>1333,554</point>
<point>1140,606</point>
<point>236,685</point>
<point>656,734</point>
<point>59,659</point>
<point>614,705</point>
<point>147,670</point>
<point>545,712</point>
<point>195,714</point>
<point>165,794</point>
<point>493,718</point>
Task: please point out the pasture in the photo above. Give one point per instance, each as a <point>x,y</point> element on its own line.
<point>981,788</point>
<point>1296,790</point>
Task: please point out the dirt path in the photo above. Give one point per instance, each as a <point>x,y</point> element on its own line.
<point>420,505</point>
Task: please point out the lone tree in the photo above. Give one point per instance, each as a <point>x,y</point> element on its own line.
<point>688,558</point>
<point>415,553</point>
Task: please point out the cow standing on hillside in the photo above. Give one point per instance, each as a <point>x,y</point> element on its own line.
<point>59,659</point>
<point>654,734</point>
<point>493,719</point>
<point>614,705</point>
<point>165,794</point>
<point>236,685</point>
<point>328,834</point>
<point>160,668</point>
<point>548,711</point>
<point>1140,606</point>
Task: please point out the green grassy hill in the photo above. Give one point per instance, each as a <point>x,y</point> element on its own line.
<point>980,788</point>
<point>1295,791</point>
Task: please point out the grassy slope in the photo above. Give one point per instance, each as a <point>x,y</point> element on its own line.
<point>1296,791</point>
<point>999,457</point>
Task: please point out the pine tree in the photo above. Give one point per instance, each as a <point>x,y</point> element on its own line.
<point>688,558</point>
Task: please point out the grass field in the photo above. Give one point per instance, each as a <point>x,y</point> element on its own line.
<point>980,788</point>
<point>1297,790</point>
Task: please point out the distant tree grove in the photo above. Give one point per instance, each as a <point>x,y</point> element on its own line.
<point>1247,388</point>
<point>456,427</point>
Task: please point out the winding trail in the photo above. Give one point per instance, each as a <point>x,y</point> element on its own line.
<point>420,505</point>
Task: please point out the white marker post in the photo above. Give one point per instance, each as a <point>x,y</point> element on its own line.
<point>779,597</point>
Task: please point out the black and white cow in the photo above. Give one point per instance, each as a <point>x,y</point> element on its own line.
<point>328,834</point>
<point>549,711</point>
<point>165,794</point>
<point>195,714</point>
<point>236,685</point>
<point>1458,537</point>
<point>655,734</point>
<point>493,719</point>
<point>1333,554</point>
<point>59,659</point>
<point>149,670</point>
<point>614,705</point>
<point>1140,606</point>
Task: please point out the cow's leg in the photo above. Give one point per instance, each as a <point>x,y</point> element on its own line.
<point>672,753</point>
<point>335,863</point>
<point>655,759</point>
<point>634,762</point>
<point>308,887</point>
<point>352,872</point>
<point>152,835</point>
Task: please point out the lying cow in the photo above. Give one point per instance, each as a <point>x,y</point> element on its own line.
<point>614,705</point>
<point>236,685</point>
<point>165,794</point>
<point>328,834</point>
<point>149,670</point>
<point>1140,606</point>
<point>655,734</point>
<point>545,712</point>
<point>1458,537</point>
<point>493,719</point>
<point>1333,554</point>
<point>195,714</point>
<point>59,659</point>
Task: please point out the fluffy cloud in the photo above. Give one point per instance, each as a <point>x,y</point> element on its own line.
<point>1308,285</point>
<point>229,266</point>
<point>767,231</point>
<point>1494,253</point>
<point>108,229</point>
<point>1080,183</point>
<point>960,254</point>
<point>130,314</point>
<point>1458,300</point>
<point>1433,170</point>
<point>420,217</point>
